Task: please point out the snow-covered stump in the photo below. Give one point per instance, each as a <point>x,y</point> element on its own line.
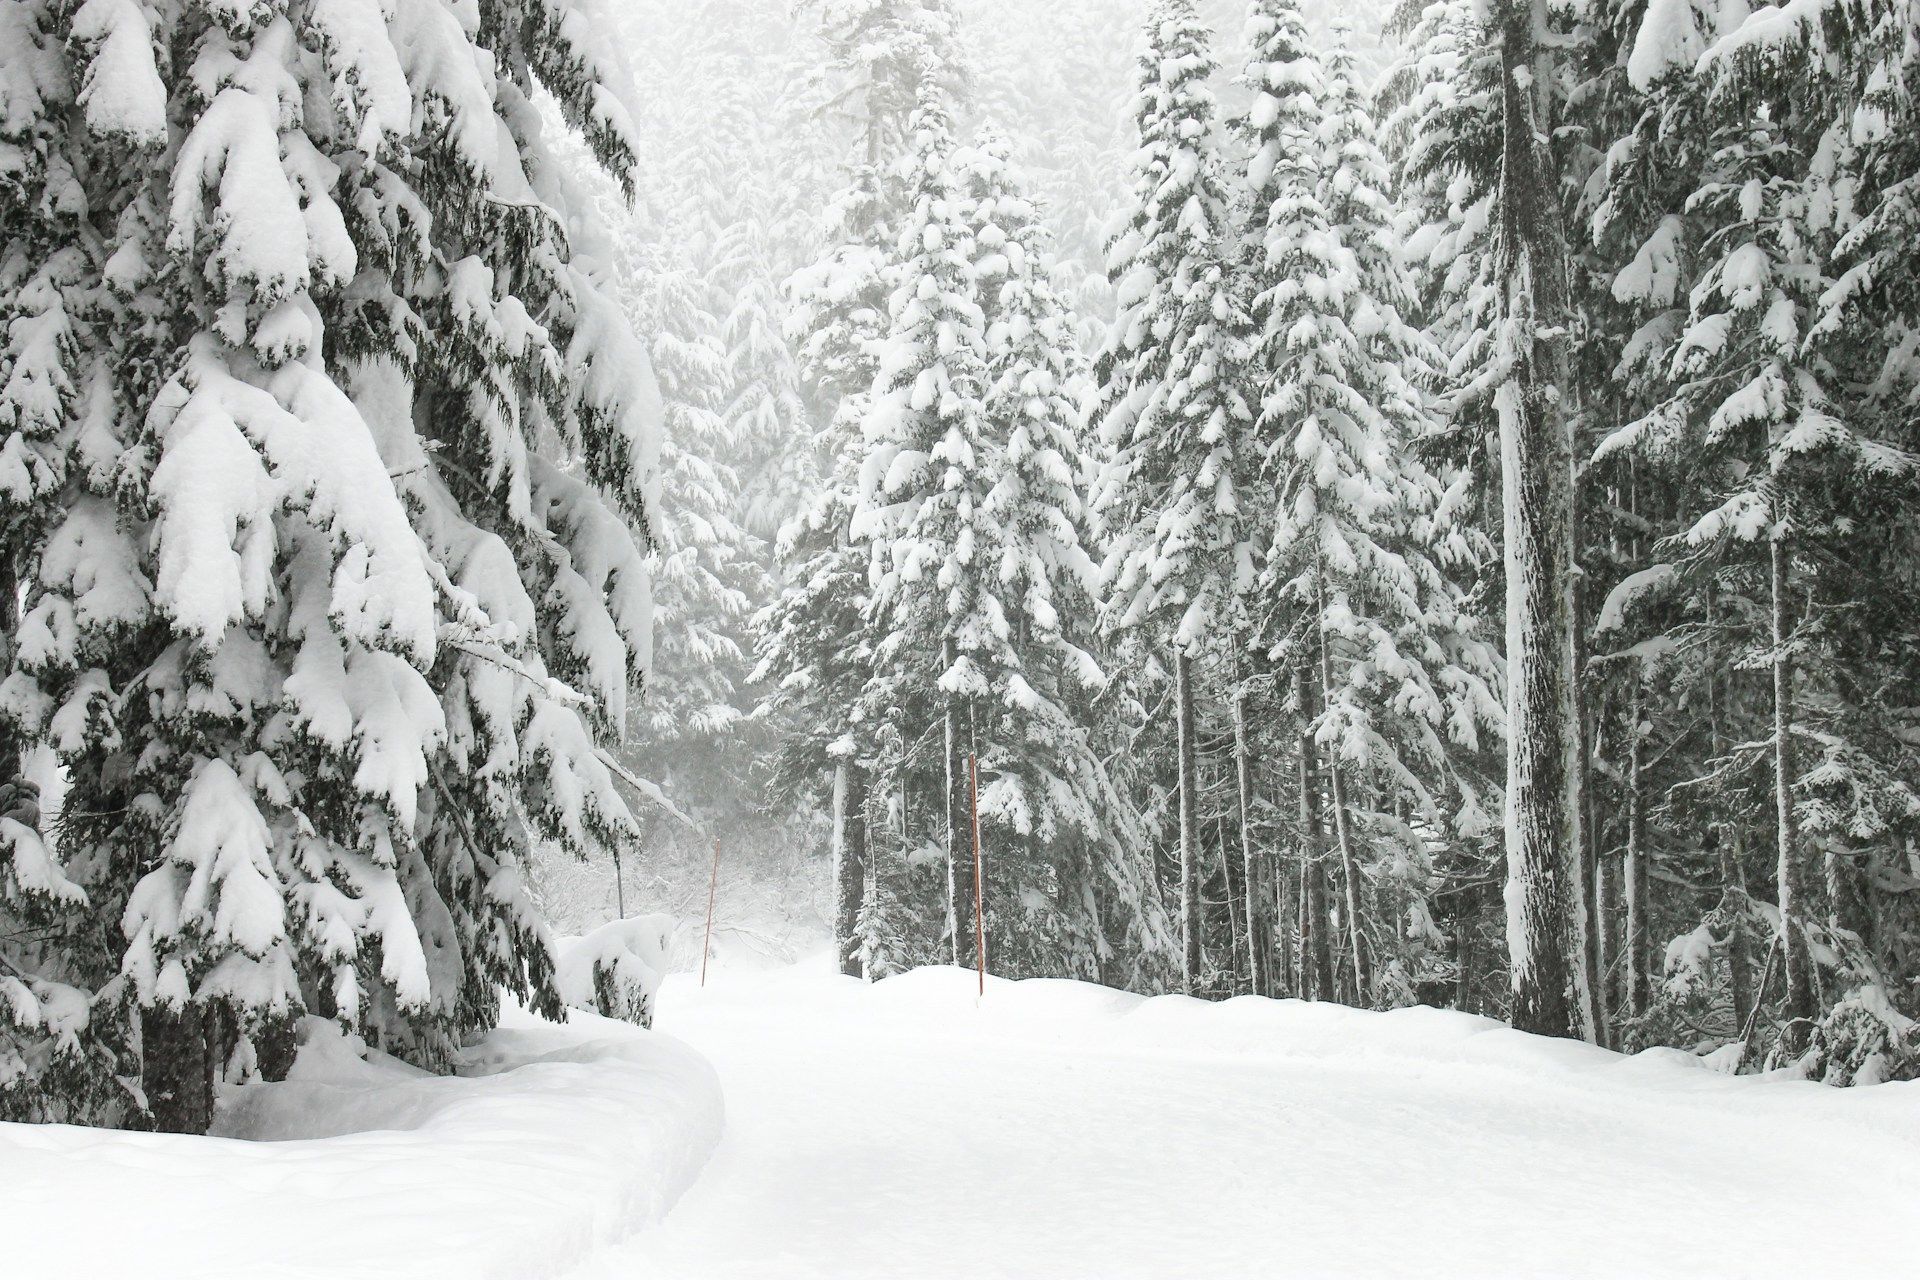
<point>615,970</point>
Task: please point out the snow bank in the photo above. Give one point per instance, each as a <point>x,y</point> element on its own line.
<point>1421,1038</point>
<point>1057,1129</point>
<point>552,1141</point>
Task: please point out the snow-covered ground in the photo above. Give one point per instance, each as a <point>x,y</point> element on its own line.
<point>1062,1130</point>
<point>1054,1130</point>
<point>553,1141</point>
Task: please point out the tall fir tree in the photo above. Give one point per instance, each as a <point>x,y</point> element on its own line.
<point>1172,416</point>
<point>324,637</point>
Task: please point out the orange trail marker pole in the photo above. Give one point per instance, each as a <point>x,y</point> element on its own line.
<point>713,883</point>
<point>979,911</point>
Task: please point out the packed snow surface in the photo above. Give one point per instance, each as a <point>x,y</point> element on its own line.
<point>1057,1129</point>
<point>552,1141</point>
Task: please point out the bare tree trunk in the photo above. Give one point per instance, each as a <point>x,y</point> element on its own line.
<point>1606,905</point>
<point>1543,742</point>
<point>1733,875</point>
<point>1796,964</point>
<point>849,863</point>
<point>1286,980</point>
<point>1638,974</point>
<point>1587,923</point>
<point>1463,952</point>
<point>1286,911</point>
<point>1261,981</point>
<point>1190,957</point>
<point>959,927</point>
<point>1316,952</point>
<point>1231,892</point>
<point>1343,837</point>
<point>1737,958</point>
<point>1606,909</point>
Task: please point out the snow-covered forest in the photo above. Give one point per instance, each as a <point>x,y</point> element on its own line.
<point>507,505</point>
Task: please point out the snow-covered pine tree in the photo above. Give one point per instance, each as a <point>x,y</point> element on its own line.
<point>923,480</point>
<point>1754,417</point>
<point>322,632</point>
<point>1064,842</point>
<point>1360,606</point>
<point>706,570</point>
<point>815,642</point>
<point>765,412</point>
<point>1171,415</point>
<point>1276,131</point>
<point>1838,85</point>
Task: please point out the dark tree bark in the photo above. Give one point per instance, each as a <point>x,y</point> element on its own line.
<point>1638,968</point>
<point>1543,744</point>
<point>1316,951</point>
<point>1343,839</point>
<point>1231,890</point>
<point>1257,933</point>
<point>175,1070</point>
<point>1739,961</point>
<point>959,842</point>
<point>1605,898</point>
<point>1795,964</point>
<point>275,1045</point>
<point>1190,954</point>
<point>849,864</point>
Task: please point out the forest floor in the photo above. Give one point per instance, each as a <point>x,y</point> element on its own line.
<point>1052,1129</point>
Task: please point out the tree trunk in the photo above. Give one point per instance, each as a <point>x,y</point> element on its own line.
<point>959,924</point>
<point>1606,902</point>
<point>1286,911</point>
<point>1190,958</point>
<point>1587,922</point>
<point>1261,981</point>
<point>1733,875</point>
<point>1343,836</point>
<point>1796,964</point>
<point>1543,742</point>
<point>1639,974</point>
<point>849,864</point>
<point>1231,892</point>
<point>1285,980</point>
<point>1606,909</point>
<point>1463,951</point>
<point>1316,952</point>
<point>174,1069</point>
<point>1738,960</point>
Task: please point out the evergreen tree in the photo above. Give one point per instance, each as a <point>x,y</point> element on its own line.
<point>1385,652</point>
<point>923,480</point>
<point>1170,413</point>
<point>815,640</point>
<point>706,571</point>
<point>324,642</point>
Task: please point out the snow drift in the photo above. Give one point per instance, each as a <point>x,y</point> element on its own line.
<point>1062,1130</point>
<point>551,1141</point>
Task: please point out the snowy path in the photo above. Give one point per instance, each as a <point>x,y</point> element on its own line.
<point>1059,1130</point>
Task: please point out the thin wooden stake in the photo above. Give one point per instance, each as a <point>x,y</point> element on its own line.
<point>979,898</point>
<point>713,883</point>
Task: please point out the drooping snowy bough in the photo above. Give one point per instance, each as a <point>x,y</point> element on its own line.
<point>325,469</point>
